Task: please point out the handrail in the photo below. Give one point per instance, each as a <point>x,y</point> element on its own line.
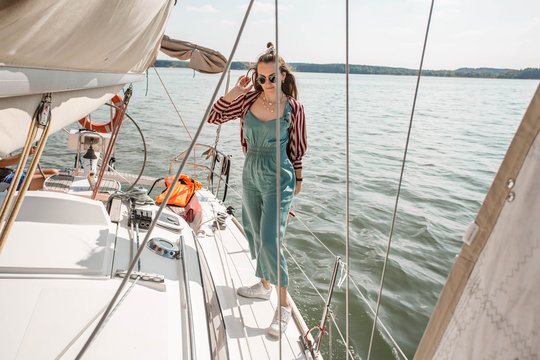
<point>224,169</point>
<point>354,282</point>
<point>189,310</point>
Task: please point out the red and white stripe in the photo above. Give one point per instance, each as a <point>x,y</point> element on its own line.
<point>223,111</point>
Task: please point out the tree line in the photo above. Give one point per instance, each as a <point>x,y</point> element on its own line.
<point>527,73</point>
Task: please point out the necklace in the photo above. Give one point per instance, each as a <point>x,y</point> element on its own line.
<point>268,105</point>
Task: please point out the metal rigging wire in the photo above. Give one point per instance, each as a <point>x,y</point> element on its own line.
<point>347,218</point>
<point>144,147</point>
<point>400,181</point>
<point>278,178</point>
<point>168,195</point>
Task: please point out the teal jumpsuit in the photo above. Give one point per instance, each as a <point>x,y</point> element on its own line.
<point>259,193</point>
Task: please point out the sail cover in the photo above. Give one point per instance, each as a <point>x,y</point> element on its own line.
<point>490,307</point>
<point>83,52</point>
<point>200,58</point>
<point>120,36</point>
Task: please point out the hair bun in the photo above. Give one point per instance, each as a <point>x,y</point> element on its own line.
<point>269,45</point>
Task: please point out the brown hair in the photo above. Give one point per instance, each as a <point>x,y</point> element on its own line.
<point>289,84</point>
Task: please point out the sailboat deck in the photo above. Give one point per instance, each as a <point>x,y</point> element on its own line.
<point>246,319</point>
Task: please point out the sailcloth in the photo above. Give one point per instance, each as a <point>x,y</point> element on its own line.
<point>83,52</point>
<point>201,59</point>
<point>490,307</point>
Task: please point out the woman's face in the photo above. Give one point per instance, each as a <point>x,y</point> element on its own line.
<point>267,71</point>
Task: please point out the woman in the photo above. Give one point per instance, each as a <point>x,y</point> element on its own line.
<point>257,112</point>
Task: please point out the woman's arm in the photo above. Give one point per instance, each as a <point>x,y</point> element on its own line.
<point>298,186</point>
<point>11,160</point>
<point>230,106</point>
<point>297,141</point>
<point>297,135</point>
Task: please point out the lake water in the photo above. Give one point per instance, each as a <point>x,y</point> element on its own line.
<point>460,133</point>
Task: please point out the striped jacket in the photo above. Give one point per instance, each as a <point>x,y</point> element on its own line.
<point>223,111</point>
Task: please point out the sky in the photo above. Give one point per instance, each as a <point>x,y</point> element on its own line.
<point>463,33</point>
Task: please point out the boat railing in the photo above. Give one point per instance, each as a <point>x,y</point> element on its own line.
<point>215,166</point>
<point>353,281</point>
<point>328,308</point>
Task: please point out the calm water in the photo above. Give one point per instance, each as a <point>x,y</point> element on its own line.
<point>461,130</point>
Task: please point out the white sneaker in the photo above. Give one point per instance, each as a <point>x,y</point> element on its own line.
<point>273,329</point>
<point>256,291</point>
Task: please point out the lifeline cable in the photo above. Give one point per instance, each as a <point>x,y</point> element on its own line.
<point>399,183</point>
<point>144,148</point>
<point>347,174</point>
<point>278,178</point>
<point>167,196</point>
<point>318,293</point>
<point>354,283</point>
<point>172,102</point>
<point>178,113</point>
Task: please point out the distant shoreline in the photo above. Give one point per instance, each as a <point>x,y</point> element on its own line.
<point>488,73</point>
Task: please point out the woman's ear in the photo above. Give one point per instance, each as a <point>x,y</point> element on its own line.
<point>283,76</point>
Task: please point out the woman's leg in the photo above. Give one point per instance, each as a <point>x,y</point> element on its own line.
<point>267,258</point>
<point>251,218</point>
<point>283,296</point>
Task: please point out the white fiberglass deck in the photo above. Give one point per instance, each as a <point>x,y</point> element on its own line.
<point>57,275</point>
<point>58,268</point>
<point>246,319</point>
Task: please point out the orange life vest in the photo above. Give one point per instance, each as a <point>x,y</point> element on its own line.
<point>182,192</point>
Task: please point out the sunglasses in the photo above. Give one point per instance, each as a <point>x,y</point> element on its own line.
<point>272,78</point>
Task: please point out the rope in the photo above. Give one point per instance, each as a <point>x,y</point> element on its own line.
<point>353,282</point>
<point>315,236</point>
<point>144,149</point>
<point>379,320</point>
<point>41,171</point>
<point>61,354</point>
<point>172,102</point>
<point>399,183</point>
<point>178,113</point>
<point>218,130</point>
<point>340,334</point>
<point>118,304</point>
<point>318,293</point>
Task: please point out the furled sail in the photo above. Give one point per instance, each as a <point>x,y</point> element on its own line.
<point>83,52</point>
<point>489,307</point>
<point>201,59</point>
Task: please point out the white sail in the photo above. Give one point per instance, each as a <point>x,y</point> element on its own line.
<point>82,52</point>
<point>489,307</point>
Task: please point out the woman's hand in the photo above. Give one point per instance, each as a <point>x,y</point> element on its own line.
<point>243,85</point>
<point>297,188</point>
